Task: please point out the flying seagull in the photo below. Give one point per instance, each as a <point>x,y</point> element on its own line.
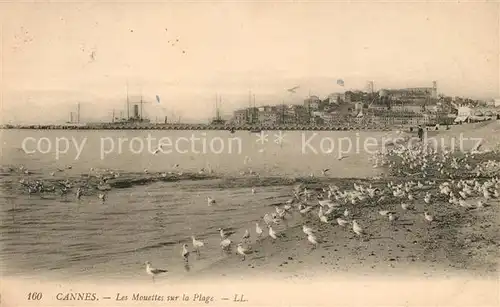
<point>293,89</point>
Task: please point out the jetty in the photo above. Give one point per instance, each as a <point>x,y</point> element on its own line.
<point>213,127</point>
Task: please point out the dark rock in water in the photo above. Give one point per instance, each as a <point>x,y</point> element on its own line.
<point>290,258</point>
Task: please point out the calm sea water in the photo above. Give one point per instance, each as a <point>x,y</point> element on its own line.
<point>63,237</point>
<point>299,153</point>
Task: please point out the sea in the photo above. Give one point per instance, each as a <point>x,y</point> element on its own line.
<point>62,237</point>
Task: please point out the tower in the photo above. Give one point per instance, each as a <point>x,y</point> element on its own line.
<point>369,87</point>
<point>434,90</point>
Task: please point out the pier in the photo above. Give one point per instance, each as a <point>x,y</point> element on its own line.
<point>212,127</point>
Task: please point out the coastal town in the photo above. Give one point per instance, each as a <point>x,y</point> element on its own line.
<point>366,109</point>
<point>406,107</point>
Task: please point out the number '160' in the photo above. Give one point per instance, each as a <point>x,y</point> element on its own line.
<point>35,296</point>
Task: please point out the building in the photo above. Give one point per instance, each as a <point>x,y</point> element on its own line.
<point>411,107</point>
<point>312,103</point>
<point>240,117</point>
<point>413,94</point>
<point>392,117</point>
<point>336,98</point>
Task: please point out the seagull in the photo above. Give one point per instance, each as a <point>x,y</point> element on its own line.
<point>258,230</point>
<point>429,218</point>
<point>102,197</point>
<point>324,219</point>
<point>341,222</point>
<point>307,230</point>
<point>223,235</point>
<point>293,89</point>
<point>325,171</point>
<point>210,201</point>
<point>272,234</point>
<point>242,251</point>
<point>392,217</point>
<point>346,213</point>
<point>246,236</point>
<point>197,244</point>
<point>78,193</point>
<point>356,228</point>
<point>152,271</point>
<point>384,212</point>
<point>312,238</point>
<point>185,252</point>
<point>157,150</point>
<point>253,191</point>
<point>225,244</point>
<point>341,157</point>
<point>406,206</point>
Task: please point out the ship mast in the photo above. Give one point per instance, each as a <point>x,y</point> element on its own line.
<point>78,114</point>
<point>141,106</point>
<point>128,105</point>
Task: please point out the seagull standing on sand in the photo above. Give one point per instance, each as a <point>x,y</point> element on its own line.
<point>152,271</point>
<point>324,219</point>
<point>307,230</point>
<point>341,222</point>
<point>312,238</point>
<point>242,251</point>
<point>356,228</point>
<point>272,234</point>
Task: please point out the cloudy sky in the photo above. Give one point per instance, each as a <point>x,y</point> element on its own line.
<point>55,55</point>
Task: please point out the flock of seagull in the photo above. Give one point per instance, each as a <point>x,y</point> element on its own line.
<point>330,204</point>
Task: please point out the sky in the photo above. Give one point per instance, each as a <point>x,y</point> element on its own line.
<point>55,55</point>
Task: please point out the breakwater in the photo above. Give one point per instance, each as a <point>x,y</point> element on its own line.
<point>252,128</point>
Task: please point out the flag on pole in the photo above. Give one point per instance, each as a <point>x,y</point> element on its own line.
<point>158,98</point>
<point>340,82</point>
